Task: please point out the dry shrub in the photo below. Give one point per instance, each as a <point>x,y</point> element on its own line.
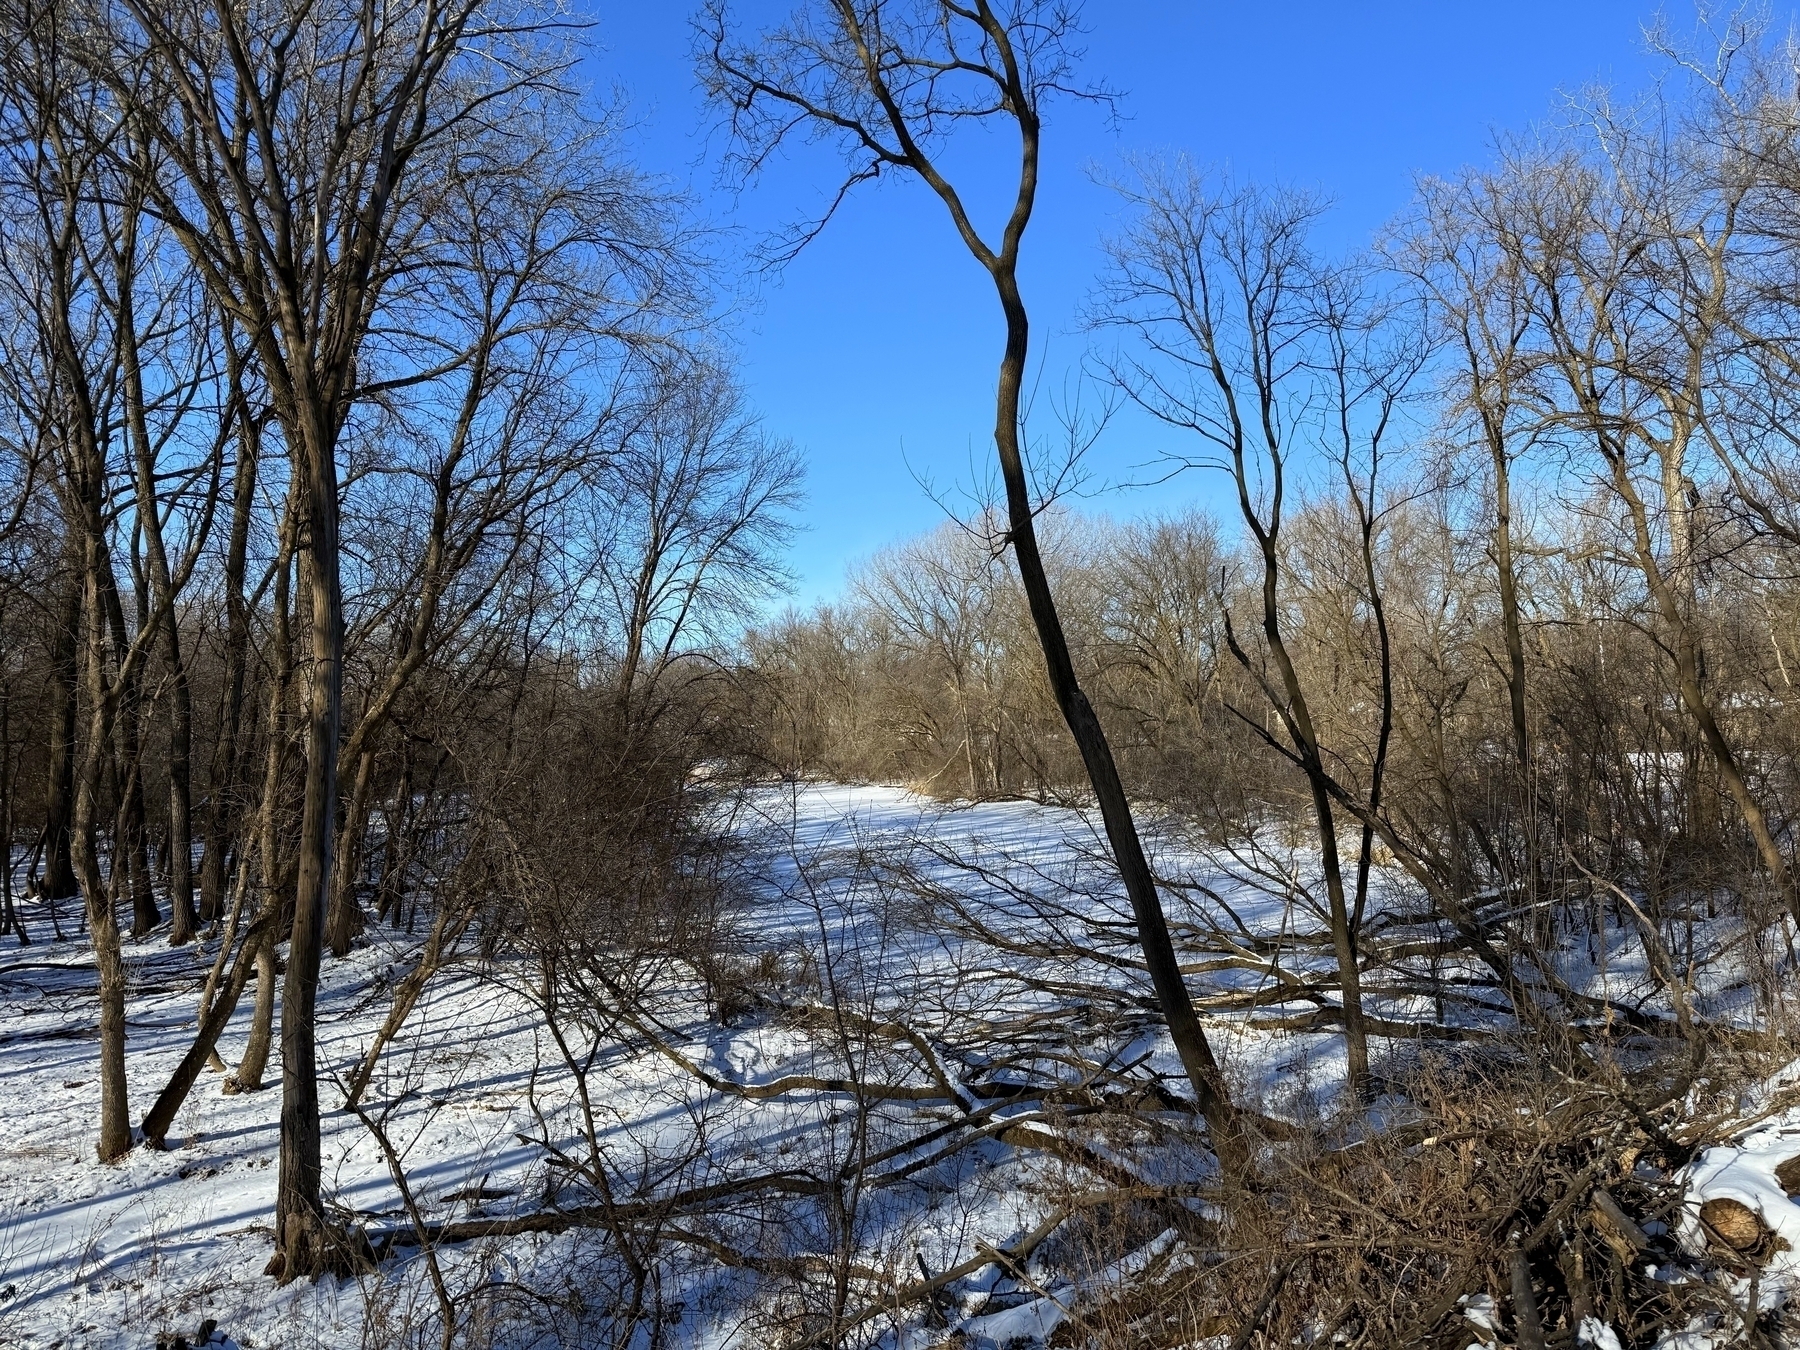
<point>599,839</point>
<point>1389,1238</point>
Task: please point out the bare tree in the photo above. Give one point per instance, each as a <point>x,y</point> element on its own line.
<point>1272,357</point>
<point>1631,264</point>
<point>1458,251</point>
<point>291,134</point>
<point>224,772</point>
<point>85,254</point>
<point>942,597</point>
<point>695,505</point>
<point>558,279</point>
<point>888,80</point>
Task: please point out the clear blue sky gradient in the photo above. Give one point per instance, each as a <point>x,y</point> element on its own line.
<point>875,351</point>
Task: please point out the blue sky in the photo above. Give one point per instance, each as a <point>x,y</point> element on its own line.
<point>875,351</point>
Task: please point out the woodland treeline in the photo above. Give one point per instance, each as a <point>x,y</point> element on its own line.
<point>1484,662</point>
<point>380,511</point>
<point>368,471</point>
<point>1504,586</point>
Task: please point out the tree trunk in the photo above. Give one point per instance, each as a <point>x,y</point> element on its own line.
<point>248,1077</point>
<point>226,943</point>
<point>181,833</point>
<point>255,1059</point>
<point>115,1121</point>
<point>130,844</point>
<point>1096,753</point>
<point>304,1243</point>
<point>222,810</point>
<point>1343,941</point>
<point>215,1015</point>
<point>58,880</point>
<point>346,911</point>
<point>134,842</point>
<point>274,874</point>
<point>179,840</point>
<point>11,921</point>
<point>1685,646</point>
<point>1291,703</point>
<point>1513,636</point>
<point>387,888</point>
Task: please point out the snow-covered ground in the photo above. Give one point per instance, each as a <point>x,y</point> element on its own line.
<point>978,953</point>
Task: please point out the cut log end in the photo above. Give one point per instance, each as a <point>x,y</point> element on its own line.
<point>1734,1224</point>
<point>1788,1175</point>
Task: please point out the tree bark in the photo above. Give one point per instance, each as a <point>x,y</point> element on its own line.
<point>1018,100</point>
<point>304,1236</point>
<point>222,811</point>
<point>130,841</point>
<point>181,802</point>
<point>11,921</point>
<point>149,521</point>
<point>1296,715</point>
<point>115,1121</point>
<point>346,910</point>
<point>255,1059</point>
<point>215,1015</point>
<point>1511,629</point>
<point>226,944</point>
<point>58,879</point>
<point>1090,738</point>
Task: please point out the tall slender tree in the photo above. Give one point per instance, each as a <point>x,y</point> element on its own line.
<point>888,81</point>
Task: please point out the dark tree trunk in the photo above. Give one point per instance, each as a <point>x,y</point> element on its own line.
<point>223,814</point>
<point>1096,753</point>
<point>255,1060</point>
<point>115,1120</point>
<point>11,921</point>
<point>130,838</point>
<point>181,833</point>
<point>346,910</point>
<point>389,889</point>
<point>1017,98</point>
<point>178,839</point>
<point>248,1077</point>
<point>214,1017</point>
<point>58,878</point>
<point>1512,633</point>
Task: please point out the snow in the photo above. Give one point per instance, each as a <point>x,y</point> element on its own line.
<point>869,899</point>
<point>104,1256</point>
<point>1743,1170</point>
<point>1699,1334</point>
<point>100,1255</point>
<point>1478,1309</point>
